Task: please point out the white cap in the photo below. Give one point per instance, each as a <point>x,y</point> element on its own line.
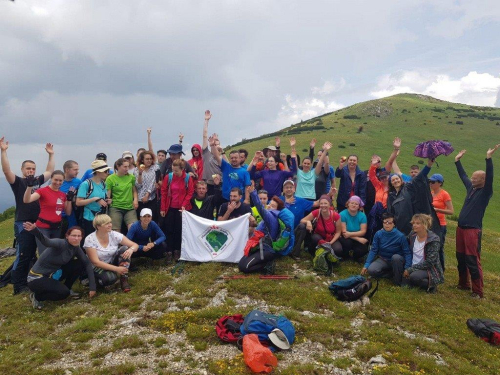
<point>146,211</point>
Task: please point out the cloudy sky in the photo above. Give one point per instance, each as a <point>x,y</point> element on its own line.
<point>92,75</point>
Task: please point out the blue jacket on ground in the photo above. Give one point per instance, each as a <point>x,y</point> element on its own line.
<point>270,225</point>
<point>345,185</point>
<point>386,244</point>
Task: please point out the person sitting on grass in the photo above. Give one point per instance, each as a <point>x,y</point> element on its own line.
<point>272,238</point>
<point>425,271</point>
<point>353,230</point>
<point>328,228</point>
<point>391,247</point>
<point>148,235</point>
<point>110,253</point>
<point>58,263</point>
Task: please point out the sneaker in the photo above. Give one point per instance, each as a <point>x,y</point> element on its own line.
<point>37,305</point>
<point>124,284</point>
<point>475,296</point>
<point>74,294</point>
<point>21,290</point>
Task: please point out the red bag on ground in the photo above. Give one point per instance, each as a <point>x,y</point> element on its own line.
<point>257,356</point>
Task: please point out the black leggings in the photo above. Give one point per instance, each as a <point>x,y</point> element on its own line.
<point>47,289</point>
<point>172,227</point>
<point>105,277</point>
<point>157,252</point>
<point>254,263</point>
<point>358,249</point>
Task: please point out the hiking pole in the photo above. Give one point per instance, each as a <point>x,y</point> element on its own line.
<point>261,277</point>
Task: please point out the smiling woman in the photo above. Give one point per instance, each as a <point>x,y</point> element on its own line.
<point>52,204</point>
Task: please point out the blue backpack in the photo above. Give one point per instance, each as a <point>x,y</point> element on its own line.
<point>352,288</point>
<point>262,324</point>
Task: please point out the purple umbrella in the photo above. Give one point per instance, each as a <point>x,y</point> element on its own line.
<point>432,149</point>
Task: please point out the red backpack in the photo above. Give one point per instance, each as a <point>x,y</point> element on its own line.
<point>486,329</point>
<point>227,327</point>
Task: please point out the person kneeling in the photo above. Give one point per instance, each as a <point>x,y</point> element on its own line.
<point>148,235</point>
<point>111,261</point>
<point>426,271</point>
<point>394,255</point>
<point>57,263</point>
<point>273,236</point>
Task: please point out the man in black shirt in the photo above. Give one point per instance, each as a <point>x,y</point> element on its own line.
<point>26,245</point>
<point>470,223</point>
<point>234,208</point>
<point>205,205</point>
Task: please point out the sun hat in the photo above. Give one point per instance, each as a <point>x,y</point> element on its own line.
<point>146,211</point>
<point>99,166</point>
<point>175,149</point>
<point>127,154</point>
<point>279,339</point>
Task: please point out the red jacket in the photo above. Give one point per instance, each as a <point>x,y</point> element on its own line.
<point>174,193</point>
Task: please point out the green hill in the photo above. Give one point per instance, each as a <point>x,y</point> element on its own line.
<point>414,118</point>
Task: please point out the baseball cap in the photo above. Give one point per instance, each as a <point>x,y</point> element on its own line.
<point>289,182</point>
<point>127,154</point>
<point>146,211</point>
<point>101,156</point>
<point>437,177</point>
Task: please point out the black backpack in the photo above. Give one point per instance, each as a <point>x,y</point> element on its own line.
<point>352,288</point>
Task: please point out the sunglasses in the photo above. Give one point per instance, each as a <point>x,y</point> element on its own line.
<point>388,222</point>
<point>432,182</point>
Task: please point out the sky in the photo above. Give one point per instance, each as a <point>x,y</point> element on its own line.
<point>91,76</point>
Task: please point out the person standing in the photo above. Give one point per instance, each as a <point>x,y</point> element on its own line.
<point>25,212</point>
<point>71,170</point>
<point>470,223</point>
<point>441,201</point>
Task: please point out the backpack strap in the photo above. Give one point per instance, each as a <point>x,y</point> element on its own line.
<point>90,188</point>
<point>373,291</point>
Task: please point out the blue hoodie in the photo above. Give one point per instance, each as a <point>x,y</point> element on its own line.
<point>346,184</point>
<point>386,244</point>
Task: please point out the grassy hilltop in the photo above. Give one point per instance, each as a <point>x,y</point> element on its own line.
<point>165,325</point>
<point>414,118</point>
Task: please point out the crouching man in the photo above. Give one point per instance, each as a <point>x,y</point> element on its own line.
<point>391,250</point>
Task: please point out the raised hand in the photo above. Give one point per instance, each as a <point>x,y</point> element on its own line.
<point>49,147</point>
<point>211,141</point>
<point>460,154</point>
<point>149,130</point>
<point>216,179</point>
<point>397,143</point>
<point>492,150</point>
<point>375,160</point>
<point>4,145</point>
<point>181,137</point>
<point>327,146</point>
<point>312,144</point>
<point>208,115</point>
<point>251,187</point>
<point>277,141</point>
<point>293,142</point>
<point>283,157</point>
<point>342,161</point>
<point>71,193</point>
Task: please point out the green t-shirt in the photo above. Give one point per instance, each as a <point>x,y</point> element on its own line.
<point>121,188</point>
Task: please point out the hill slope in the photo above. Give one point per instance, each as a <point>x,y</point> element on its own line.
<point>414,118</point>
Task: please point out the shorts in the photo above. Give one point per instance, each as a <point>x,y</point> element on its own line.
<point>118,216</point>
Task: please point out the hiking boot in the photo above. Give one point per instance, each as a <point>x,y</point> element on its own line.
<point>74,294</point>
<point>269,268</point>
<point>460,287</point>
<point>124,284</point>
<point>475,296</point>
<point>21,290</point>
<point>169,257</point>
<point>295,257</point>
<point>37,305</point>
<point>432,290</point>
<point>177,255</point>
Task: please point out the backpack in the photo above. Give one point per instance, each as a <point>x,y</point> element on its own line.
<point>80,210</point>
<point>262,324</point>
<point>228,328</point>
<point>352,288</point>
<point>486,329</point>
<point>324,259</point>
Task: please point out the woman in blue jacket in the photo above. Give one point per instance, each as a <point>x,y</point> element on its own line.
<point>272,238</point>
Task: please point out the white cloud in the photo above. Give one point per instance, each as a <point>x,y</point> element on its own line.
<point>295,110</point>
<point>474,88</point>
<point>329,87</point>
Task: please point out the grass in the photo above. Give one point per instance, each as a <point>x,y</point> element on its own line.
<point>415,332</point>
<point>413,118</point>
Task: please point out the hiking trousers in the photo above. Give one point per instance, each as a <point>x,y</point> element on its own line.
<point>393,268</point>
<point>419,278</point>
<point>48,289</point>
<point>358,249</point>
<point>468,243</point>
<point>25,252</point>
<point>255,263</point>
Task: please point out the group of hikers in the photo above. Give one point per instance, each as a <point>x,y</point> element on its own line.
<point>392,224</point>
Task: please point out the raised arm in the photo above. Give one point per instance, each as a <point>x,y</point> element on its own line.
<point>213,147</point>
<point>312,144</point>
<point>150,142</point>
<point>51,164</point>
<point>326,165</point>
<point>9,175</point>
<point>488,183</point>
<point>395,152</point>
<point>208,116</point>
<point>461,171</point>
<point>326,147</point>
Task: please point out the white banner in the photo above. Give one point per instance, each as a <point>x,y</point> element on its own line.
<point>213,241</point>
